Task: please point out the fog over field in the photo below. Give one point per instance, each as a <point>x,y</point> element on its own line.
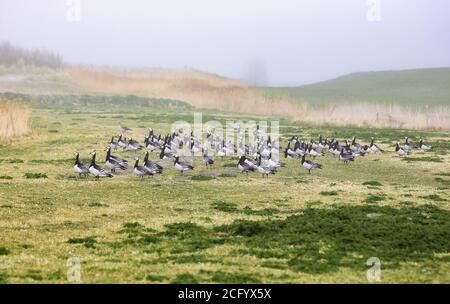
<point>266,42</point>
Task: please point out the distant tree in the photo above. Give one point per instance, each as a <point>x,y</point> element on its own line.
<point>11,55</point>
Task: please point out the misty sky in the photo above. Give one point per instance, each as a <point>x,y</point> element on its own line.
<point>298,41</point>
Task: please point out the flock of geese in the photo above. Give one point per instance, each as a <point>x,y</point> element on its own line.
<point>262,156</point>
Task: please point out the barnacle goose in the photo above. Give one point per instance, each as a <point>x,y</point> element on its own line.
<point>309,165</point>
<point>78,167</point>
<point>314,144</point>
<point>113,162</point>
<point>271,162</point>
<point>194,148</point>
<point>423,146</point>
<point>116,158</point>
<point>140,171</point>
<point>152,167</point>
<point>300,148</point>
<point>95,170</point>
<point>151,144</point>
<point>374,148</point>
<point>244,166</point>
<point>399,150</point>
<point>225,150</point>
<point>114,145</point>
<point>264,170</point>
<point>166,153</point>
<point>207,160</point>
<point>335,149</point>
<point>133,145</point>
<point>408,146</point>
<point>122,142</point>
<point>181,166</point>
<point>314,153</point>
<point>288,152</point>
<point>346,156</point>
<point>355,147</point>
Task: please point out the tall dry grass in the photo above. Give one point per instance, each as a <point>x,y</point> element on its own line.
<point>202,90</point>
<point>13,119</point>
<point>379,115</point>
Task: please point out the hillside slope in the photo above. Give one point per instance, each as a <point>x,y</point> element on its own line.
<point>407,87</point>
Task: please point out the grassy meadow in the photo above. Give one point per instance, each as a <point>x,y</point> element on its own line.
<point>215,225</point>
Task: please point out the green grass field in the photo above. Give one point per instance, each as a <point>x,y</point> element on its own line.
<point>417,88</point>
<point>215,225</point>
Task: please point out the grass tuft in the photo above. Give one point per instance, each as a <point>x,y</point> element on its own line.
<point>30,175</point>
<point>88,242</point>
<point>329,193</point>
<point>201,178</point>
<point>225,206</point>
<point>4,251</point>
<point>434,197</point>
<point>374,198</point>
<point>372,183</point>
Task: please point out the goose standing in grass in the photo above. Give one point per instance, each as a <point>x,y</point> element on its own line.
<point>356,147</point>
<point>400,151</point>
<point>151,144</point>
<point>114,162</point>
<point>315,144</point>
<point>152,167</point>
<point>243,166</point>
<point>407,146</point>
<point>423,146</point>
<point>79,167</point>
<point>309,165</point>
<point>166,153</point>
<point>300,148</point>
<point>140,171</point>
<point>194,148</point>
<point>122,161</point>
<point>374,148</point>
<point>335,149</point>
<point>114,145</point>
<point>243,149</point>
<point>207,160</point>
<point>288,152</point>
<point>346,156</point>
<point>133,145</point>
<point>95,170</point>
<point>224,150</point>
<point>182,166</point>
<point>122,142</point>
<point>314,153</point>
<point>264,170</point>
<point>273,163</point>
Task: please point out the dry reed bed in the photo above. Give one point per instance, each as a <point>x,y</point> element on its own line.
<point>13,119</point>
<point>379,115</point>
